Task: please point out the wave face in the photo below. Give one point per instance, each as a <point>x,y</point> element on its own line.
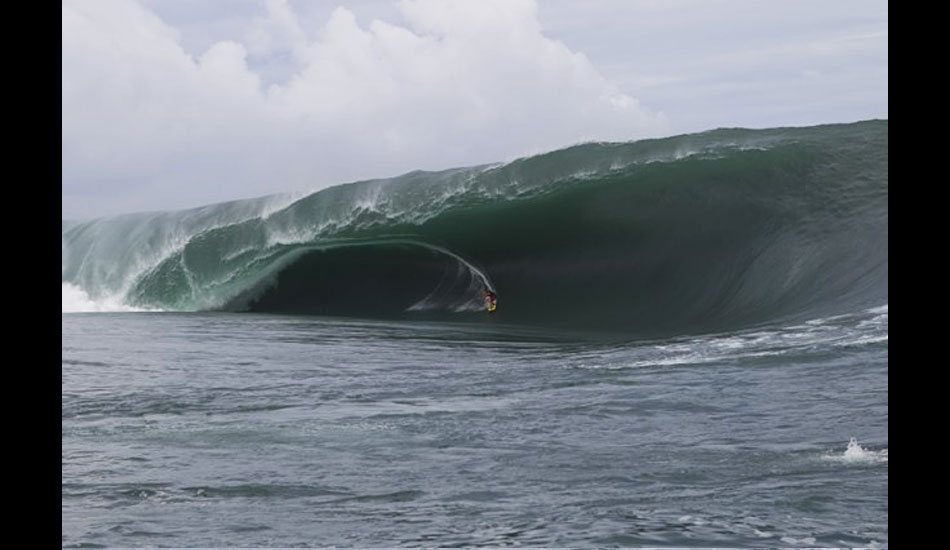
<point>714,231</point>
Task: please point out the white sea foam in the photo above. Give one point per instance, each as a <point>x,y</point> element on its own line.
<point>846,330</point>
<point>75,300</point>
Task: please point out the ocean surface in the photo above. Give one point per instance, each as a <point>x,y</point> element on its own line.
<point>690,349</point>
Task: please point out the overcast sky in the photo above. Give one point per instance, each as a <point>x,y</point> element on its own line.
<point>177,103</point>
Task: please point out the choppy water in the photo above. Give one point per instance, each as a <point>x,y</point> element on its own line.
<point>220,429</point>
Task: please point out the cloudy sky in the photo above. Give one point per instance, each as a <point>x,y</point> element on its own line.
<point>177,103</point>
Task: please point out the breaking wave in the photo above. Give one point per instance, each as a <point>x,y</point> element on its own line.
<point>725,229</point>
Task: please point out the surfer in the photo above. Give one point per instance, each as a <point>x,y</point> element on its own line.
<point>490,298</point>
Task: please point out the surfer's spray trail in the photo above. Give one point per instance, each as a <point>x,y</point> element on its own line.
<point>710,231</point>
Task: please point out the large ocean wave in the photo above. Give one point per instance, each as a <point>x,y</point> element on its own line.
<point>725,229</point>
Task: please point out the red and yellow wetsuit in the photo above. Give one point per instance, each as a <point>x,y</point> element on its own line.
<point>491,300</point>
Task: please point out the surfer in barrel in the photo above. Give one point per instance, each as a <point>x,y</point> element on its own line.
<point>490,298</point>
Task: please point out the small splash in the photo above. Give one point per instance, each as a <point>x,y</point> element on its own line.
<point>855,453</point>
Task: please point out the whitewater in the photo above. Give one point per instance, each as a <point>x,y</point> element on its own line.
<point>690,349</point>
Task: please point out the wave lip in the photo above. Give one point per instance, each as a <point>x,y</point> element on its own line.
<point>725,229</point>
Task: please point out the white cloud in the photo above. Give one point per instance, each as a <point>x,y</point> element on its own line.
<point>277,31</point>
<point>146,125</point>
<point>715,63</point>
